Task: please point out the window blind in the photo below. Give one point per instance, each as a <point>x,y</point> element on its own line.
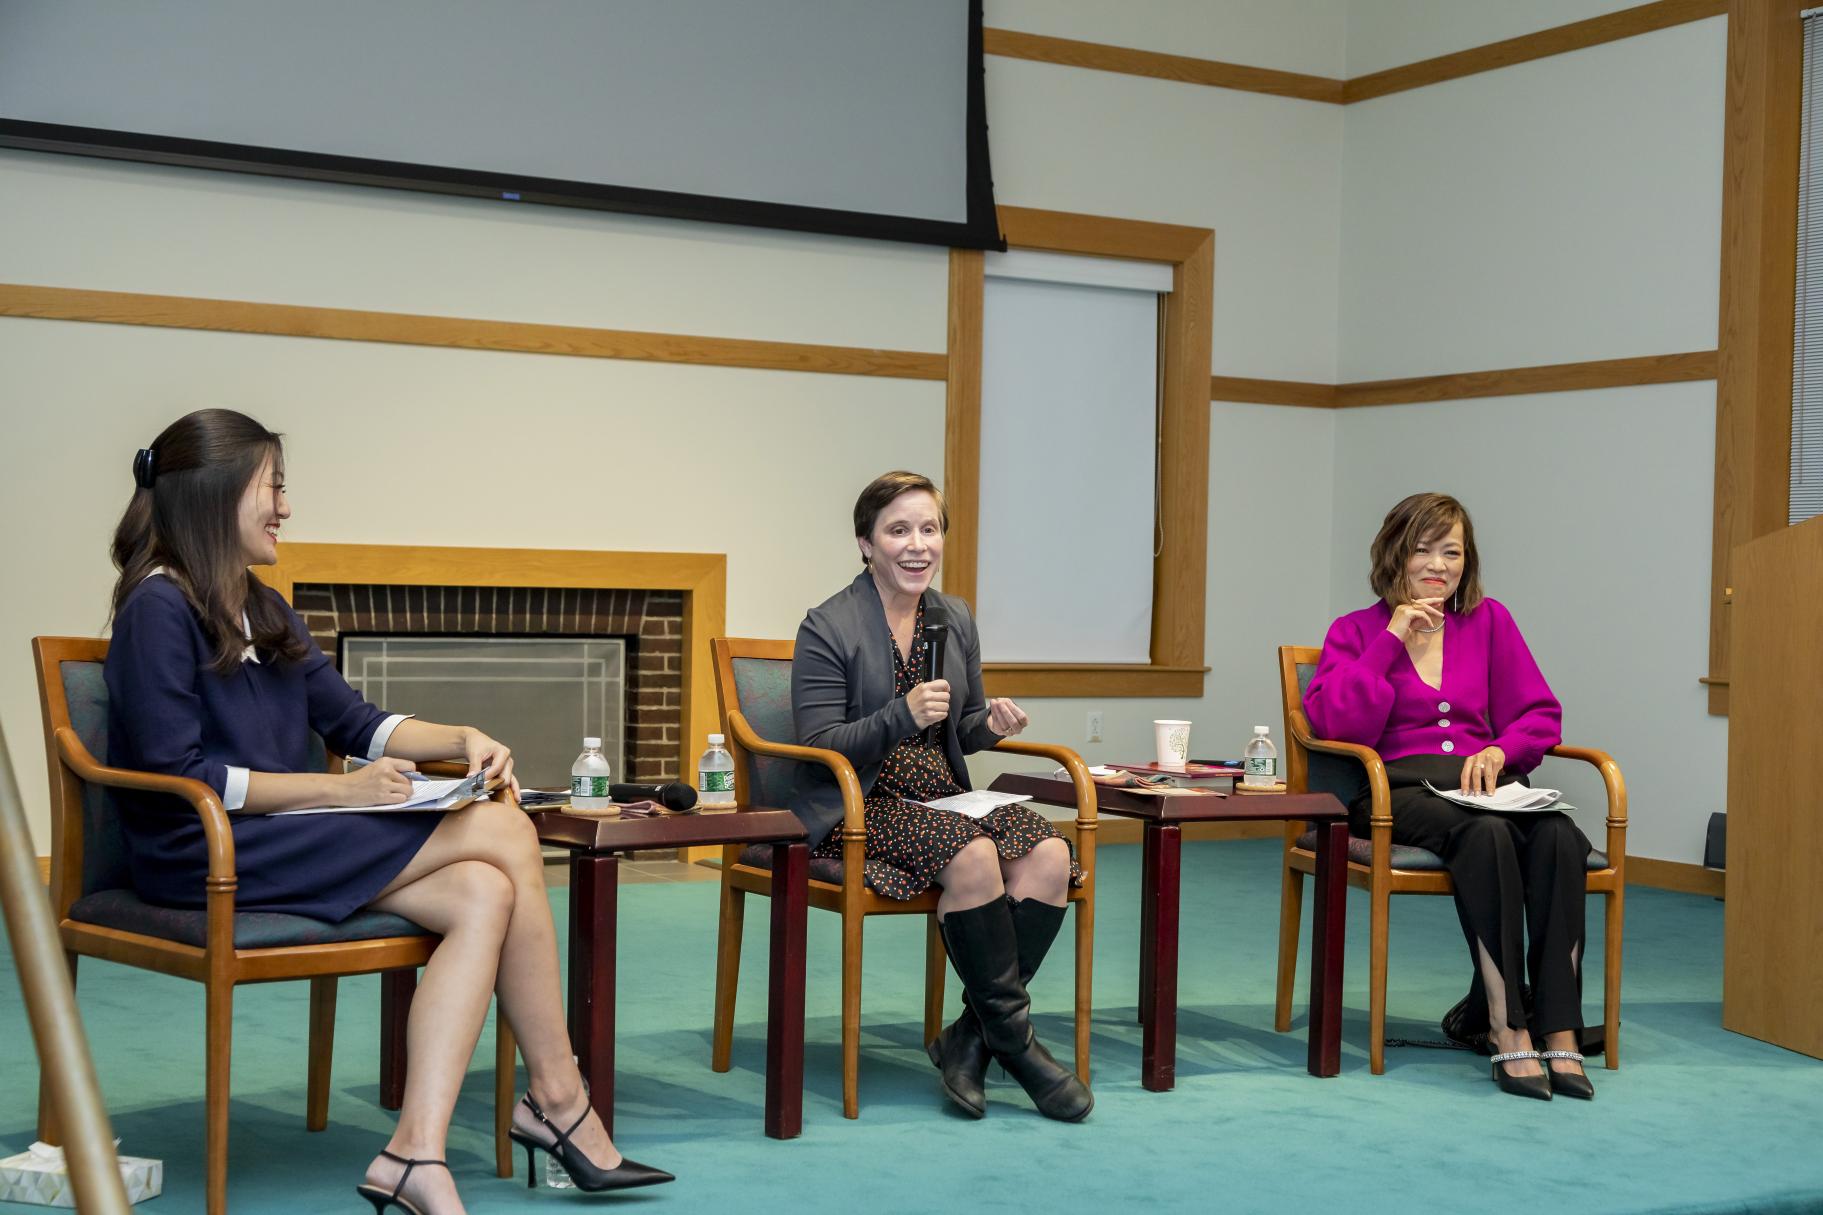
<point>1069,448</point>
<point>1807,348</point>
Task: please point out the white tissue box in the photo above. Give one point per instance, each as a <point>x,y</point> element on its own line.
<point>38,1175</point>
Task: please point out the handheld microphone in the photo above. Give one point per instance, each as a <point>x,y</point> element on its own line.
<point>936,636</point>
<point>673,796</point>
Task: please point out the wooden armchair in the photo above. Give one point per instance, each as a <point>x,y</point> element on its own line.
<point>1384,868</point>
<point>753,686</point>
<point>99,915</point>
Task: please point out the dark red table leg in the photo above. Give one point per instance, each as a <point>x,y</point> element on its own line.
<point>785,995</point>
<point>1326,942</point>
<point>1148,914</point>
<point>594,884</point>
<point>396,988</point>
<point>1158,1043</point>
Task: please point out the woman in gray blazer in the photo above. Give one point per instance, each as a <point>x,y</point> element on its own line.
<point>858,686</point>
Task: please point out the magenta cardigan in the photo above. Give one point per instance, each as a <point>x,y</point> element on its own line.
<point>1367,691</point>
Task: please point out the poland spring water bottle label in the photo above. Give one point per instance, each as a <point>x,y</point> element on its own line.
<point>710,780</point>
<point>589,786</point>
<point>1263,765</point>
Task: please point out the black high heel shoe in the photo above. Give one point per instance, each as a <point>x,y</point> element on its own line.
<point>584,1173</point>
<point>381,1199</point>
<point>1569,1084</point>
<point>1521,1086</point>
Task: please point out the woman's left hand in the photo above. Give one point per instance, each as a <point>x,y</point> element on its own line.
<point>1481,771</point>
<point>1006,718</point>
<point>485,754</point>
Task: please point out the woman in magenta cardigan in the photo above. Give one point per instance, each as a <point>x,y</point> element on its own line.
<point>1437,679</point>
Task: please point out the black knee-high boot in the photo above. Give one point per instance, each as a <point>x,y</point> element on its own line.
<point>984,949</point>
<point>960,1052</point>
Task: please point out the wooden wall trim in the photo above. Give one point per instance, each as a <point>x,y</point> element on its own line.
<point>1469,385</point>
<point>1186,69</point>
<point>1761,131</point>
<point>1246,391</point>
<point>1516,381</point>
<point>1101,57</point>
<point>1609,27</point>
<point>962,424</point>
<point>701,577</point>
<point>348,324</point>
<point>1178,575</point>
<point>1675,875</point>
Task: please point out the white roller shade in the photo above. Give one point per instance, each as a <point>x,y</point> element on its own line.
<point>1069,423</point>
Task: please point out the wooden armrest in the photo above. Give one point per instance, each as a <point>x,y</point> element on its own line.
<point>1065,758</point>
<point>217,836</point>
<point>853,824</point>
<point>443,769</point>
<point>1611,778</point>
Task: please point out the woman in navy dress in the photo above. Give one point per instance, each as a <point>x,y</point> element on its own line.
<point>212,676</point>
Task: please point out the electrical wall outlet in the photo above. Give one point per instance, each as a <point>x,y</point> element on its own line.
<point>1094,731</point>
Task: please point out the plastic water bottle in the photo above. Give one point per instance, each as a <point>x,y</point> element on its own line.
<point>589,778</point>
<point>715,776</point>
<point>1261,760</point>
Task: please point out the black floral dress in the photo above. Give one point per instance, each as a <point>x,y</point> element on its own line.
<point>908,844</point>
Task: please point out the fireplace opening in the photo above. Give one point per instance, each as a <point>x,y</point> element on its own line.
<point>540,695</point>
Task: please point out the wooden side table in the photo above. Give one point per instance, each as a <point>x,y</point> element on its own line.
<point>1160,890</point>
<point>594,845</point>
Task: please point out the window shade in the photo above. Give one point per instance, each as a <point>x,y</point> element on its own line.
<point>1807,348</point>
<point>1069,425</point>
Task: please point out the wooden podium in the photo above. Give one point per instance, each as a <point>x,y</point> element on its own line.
<point>1772,982</point>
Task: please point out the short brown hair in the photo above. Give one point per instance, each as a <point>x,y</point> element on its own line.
<point>884,489</point>
<point>1417,520</point>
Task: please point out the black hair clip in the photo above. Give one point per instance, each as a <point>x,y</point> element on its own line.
<point>145,468</point>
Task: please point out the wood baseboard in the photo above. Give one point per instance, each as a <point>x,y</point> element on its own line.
<point>1675,875</point>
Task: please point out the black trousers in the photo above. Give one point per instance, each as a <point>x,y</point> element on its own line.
<point>1515,875</point>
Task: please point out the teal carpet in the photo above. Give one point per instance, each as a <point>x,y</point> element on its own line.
<point>1697,1120</point>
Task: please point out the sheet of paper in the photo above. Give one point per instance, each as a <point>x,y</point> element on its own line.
<point>978,803</point>
<point>1513,798</point>
<point>426,795</point>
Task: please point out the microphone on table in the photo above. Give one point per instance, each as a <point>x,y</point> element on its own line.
<point>672,796</point>
<point>936,636</point>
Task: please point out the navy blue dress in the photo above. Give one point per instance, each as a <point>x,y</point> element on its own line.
<point>168,713</point>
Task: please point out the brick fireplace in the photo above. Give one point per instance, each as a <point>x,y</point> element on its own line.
<point>667,606</point>
<point>650,621</point>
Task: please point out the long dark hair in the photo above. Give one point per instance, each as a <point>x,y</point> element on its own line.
<point>185,516</point>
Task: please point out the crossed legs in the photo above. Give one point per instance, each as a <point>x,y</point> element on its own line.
<point>478,881</point>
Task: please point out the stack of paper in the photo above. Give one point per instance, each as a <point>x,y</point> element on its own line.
<point>1510,799</point>
<point>426,794</point>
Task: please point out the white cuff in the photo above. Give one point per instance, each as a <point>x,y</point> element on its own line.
<point>234,790</point>
<point>383,734</point>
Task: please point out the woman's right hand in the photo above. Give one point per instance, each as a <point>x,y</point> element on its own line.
<point>928,702</point>
<point>1419,613</point>
<point>381,783</point>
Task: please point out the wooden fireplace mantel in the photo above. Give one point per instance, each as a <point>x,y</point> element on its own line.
<point>702,578</point>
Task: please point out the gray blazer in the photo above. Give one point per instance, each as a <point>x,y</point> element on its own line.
<point>842,696</point>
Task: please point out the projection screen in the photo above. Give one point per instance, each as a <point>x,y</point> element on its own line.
<point>854,117</point>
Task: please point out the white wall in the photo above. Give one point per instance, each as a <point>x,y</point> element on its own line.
<point>760,465</point>
<point>1551,212</point>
